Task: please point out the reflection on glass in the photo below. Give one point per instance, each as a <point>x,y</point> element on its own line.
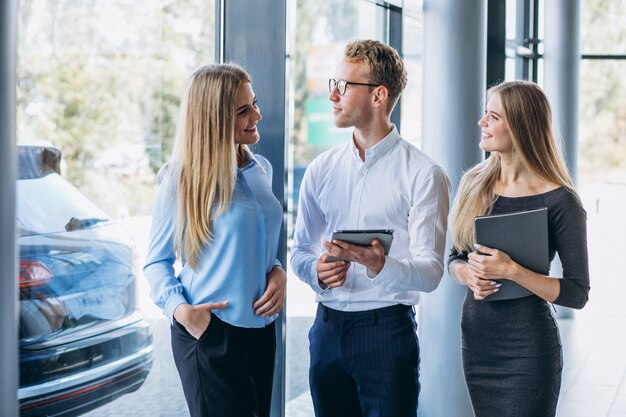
<point>76,285</point>
<point>100,81</point>
<point>68,277</point>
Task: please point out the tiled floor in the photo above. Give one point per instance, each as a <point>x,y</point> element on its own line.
<point>594,342</point>
<point>594,379</point>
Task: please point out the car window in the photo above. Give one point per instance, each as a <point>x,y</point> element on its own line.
<point>50,204</point>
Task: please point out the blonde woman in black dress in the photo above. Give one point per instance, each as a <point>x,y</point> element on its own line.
<point>512,357</point>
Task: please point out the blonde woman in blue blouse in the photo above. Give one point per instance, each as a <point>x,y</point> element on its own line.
<point>214,211</point>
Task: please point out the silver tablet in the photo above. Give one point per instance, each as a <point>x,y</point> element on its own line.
<point>363,237</point>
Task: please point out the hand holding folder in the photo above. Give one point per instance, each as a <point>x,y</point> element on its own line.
<point>521,235</point>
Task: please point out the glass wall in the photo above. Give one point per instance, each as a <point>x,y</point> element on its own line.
<point>602,144</point>
<point>602,121</point>
<point>412,48</point>
<point>100,81</point>
<point>602,115</point>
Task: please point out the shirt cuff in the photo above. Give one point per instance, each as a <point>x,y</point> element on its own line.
<point>318,286</point>
<point>170,305</point>
<point>383,274</point>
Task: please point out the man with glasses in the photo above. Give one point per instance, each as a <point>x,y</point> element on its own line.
<point>363,343</point>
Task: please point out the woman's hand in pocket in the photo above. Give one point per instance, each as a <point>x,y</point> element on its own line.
<point>196,319</point>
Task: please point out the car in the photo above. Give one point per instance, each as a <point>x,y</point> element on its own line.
<point>82,340</point>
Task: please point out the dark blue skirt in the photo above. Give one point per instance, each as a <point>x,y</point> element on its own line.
<point>512,357</point>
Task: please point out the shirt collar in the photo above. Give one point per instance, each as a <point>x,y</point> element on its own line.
<point>378,150</point>
<point>251,162</point>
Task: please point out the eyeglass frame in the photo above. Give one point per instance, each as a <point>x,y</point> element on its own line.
<point>334,84</point>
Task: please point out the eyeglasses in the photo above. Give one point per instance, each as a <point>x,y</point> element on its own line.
<point>341,85</point>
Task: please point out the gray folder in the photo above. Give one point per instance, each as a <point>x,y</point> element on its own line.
<point>523,236</point>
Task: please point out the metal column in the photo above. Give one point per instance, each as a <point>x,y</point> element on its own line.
<point>254,36</point>
<point>395,41</point>
<point>455,39</point>
<point>561,68</point>
<point>496,41</point>
<point>8,285</point>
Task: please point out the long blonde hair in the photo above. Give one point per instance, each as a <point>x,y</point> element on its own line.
<point>527,112</point>
<point>205,155</point>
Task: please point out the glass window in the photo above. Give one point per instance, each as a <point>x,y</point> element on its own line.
<point>602,121</point>
<point>100,82</point>
<point>602,118</point>
<point>602,27</point>
<point>523,40</point>
<point>412,44</point>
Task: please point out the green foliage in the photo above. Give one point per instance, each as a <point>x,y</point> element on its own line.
<point>102,81</point>
<point>602,133</point>
<point>336,20</point>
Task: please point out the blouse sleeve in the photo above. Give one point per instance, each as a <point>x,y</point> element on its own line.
<point>269,170</point>
<point>455,255</point>
<point>570,240</point>
<point>165,288</point>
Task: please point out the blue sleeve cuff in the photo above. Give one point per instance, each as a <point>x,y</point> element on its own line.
<point>170,305</point>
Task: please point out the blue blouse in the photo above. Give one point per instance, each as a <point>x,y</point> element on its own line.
<point>234,266</point>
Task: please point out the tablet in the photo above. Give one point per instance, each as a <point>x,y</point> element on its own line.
<point>363,238</point>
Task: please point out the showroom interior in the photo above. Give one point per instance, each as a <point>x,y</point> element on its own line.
<point>574,49</point>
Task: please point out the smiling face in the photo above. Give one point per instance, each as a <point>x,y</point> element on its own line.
<point>496,136</point>
<point>247,115</point>
<point>354,108</point>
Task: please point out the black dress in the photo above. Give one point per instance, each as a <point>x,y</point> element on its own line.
<point>512,357</point>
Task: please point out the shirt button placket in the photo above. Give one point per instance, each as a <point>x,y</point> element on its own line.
<point>355,202</point>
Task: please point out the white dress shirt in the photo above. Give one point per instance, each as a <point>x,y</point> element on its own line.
<point>397,187</point>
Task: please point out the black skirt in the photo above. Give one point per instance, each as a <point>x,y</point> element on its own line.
<point>512,357</point>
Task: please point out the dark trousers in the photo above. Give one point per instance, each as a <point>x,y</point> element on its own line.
<point>364,364</point>
<point>228,372</point>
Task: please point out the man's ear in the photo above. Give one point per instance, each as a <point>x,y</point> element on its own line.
<point>381,95</point>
